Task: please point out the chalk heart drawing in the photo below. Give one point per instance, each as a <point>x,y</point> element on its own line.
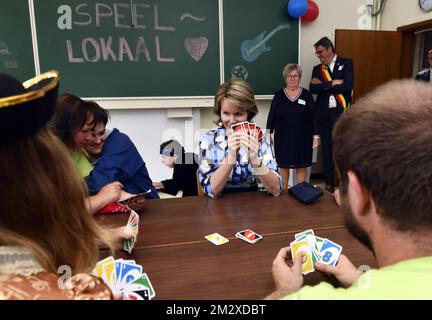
<point>196,47</point>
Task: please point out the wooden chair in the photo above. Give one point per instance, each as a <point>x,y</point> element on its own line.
<point>199,188</point>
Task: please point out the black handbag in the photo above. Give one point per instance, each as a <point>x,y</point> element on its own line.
<point>305,192</point>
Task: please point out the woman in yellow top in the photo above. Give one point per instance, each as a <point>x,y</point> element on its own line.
<point>74,125</point>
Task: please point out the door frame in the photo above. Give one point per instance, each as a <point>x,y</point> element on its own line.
<point>408,38</point>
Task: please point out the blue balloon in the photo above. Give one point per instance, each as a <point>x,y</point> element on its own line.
<point>297,8</point>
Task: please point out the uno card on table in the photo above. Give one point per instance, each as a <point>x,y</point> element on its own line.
<point>249,236</point>
<point>330,252</point>
<point>216,239</point>
<point>303,247</point>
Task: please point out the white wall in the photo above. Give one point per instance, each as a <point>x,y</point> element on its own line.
<point>147,128</point>
<point>398,13</point>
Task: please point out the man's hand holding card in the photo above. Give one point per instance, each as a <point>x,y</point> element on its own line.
<point>314,249</point>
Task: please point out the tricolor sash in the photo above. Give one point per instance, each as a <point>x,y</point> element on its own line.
<point>339,97</point>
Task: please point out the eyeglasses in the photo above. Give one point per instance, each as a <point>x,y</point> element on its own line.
<point>292,76</point>
<point>319,52</point>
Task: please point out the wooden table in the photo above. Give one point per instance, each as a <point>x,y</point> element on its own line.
<point>183,265</point>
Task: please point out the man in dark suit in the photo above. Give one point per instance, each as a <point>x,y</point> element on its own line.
<point>425,74</point>
<point>332,81</point>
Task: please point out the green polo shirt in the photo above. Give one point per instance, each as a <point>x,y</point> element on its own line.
<point>81,162</point>
<point>410,279</point>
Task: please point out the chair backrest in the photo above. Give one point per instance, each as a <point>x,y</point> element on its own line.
<point>199,188</point>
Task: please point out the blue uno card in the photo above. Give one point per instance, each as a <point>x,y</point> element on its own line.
<point>128,273</point>
<point>330,252</point>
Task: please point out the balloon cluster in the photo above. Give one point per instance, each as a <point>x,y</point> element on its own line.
<point>306,9</point>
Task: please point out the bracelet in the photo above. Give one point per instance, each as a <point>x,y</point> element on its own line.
<point>261,171</point>
<point>316,137</point>
<point>258,166</point>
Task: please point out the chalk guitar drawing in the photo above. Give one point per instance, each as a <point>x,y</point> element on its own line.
<point>252,49</point>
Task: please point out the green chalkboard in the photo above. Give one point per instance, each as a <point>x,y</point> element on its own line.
<point>131,48</point>
<point>16,50</point>
<point>260,38</point>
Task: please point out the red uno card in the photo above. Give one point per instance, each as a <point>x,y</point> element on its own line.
<point>246,127</point>
<point>249,236</point>
<point>259,134</point>
<point>252,127</point>
<point>237,127</point>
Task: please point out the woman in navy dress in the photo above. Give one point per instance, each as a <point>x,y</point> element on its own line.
<point>294,123</point>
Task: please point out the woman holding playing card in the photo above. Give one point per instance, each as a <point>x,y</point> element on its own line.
<point>236,154</point>
<point>48,240</point>
<point>293,118</point>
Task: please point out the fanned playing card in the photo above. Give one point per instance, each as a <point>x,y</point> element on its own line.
<point>303,247</point>
<point>125,276</point>
<point>330,252</point>
<point>322,250</point>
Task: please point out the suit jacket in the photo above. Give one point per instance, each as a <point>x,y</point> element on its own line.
<point>344,70</point>
<point>423,75</point>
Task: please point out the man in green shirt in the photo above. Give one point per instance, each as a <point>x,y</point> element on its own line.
<point>382,151</point>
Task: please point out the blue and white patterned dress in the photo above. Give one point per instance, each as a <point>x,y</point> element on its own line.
<point>214,148</point>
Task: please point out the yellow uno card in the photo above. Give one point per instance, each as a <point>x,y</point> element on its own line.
<point>216,239</point>
<point>110,275</point>
<point>99,270</point>
<point>302,246</point>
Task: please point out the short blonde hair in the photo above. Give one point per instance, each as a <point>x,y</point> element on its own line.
<point>238,91</point>
<point>291,67</point>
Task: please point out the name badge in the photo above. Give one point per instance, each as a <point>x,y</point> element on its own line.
<point>301,101</point>
<point>340,68</point>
